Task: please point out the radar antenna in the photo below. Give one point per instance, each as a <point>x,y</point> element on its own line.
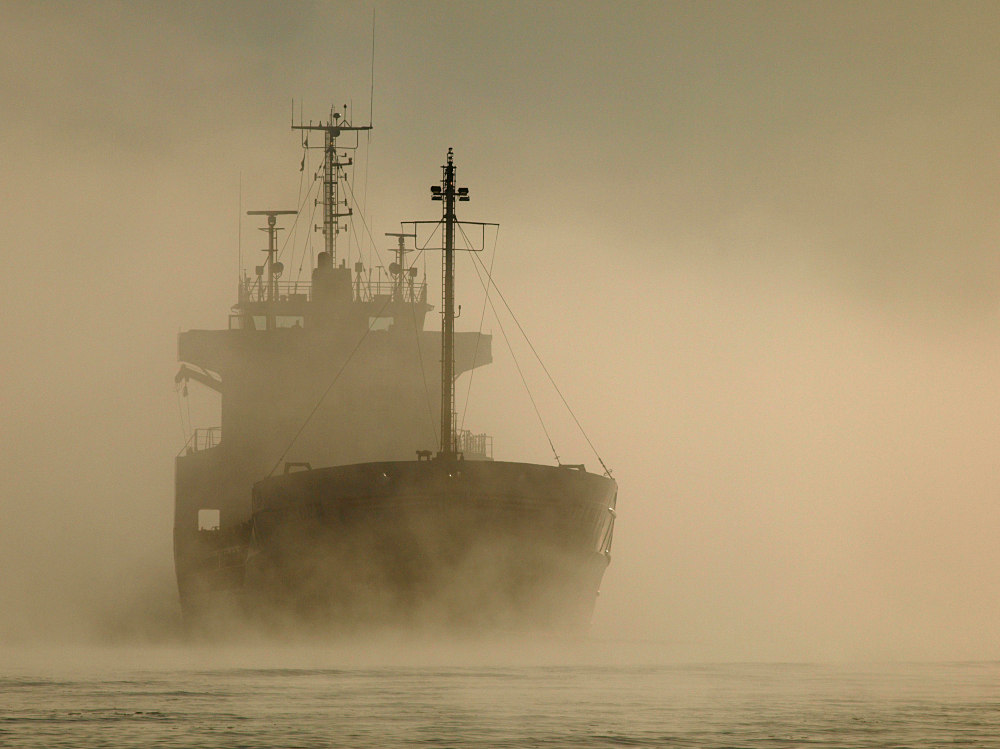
<point>398,269</point>
<point>272,266</point>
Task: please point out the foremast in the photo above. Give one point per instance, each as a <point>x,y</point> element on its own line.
<point>448,194</point>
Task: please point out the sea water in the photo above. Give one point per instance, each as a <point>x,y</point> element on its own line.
<point>269,696</point>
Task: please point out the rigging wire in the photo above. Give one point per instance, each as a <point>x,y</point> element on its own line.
<point>545,369</point>
<point>423,376</point>
<point>187,402</point>
<point>347,182</point>
<point>517,364</point>
<point>354,231</point>
<point>363,223</point>
<point>180,413</point>
<point>510,348</point>
<point>239,234</point>
<point>298,217</point>
<point>368,132</point>
<point>309,234</point>
<point>294,233</point>
<point>482,317</point>
<point>420,356</point>
<point>371,78</point>
<point>329,387</point>
<point>364,190</point>
<point>312,216</point>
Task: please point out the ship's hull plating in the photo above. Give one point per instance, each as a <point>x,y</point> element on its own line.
<point>419,544</point>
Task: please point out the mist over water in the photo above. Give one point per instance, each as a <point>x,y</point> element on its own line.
<point>756,245</point>
<point>762,705</point>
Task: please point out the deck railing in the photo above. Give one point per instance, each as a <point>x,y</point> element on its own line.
<point>202,438</point>
<point>365,291</point>
<point>475,445</point>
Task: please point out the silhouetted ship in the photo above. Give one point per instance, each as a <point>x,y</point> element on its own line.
<point>335,373</point>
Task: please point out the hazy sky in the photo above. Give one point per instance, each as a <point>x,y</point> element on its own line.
<point>755,243</point>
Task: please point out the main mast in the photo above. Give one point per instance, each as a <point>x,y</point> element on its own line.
<point>332,165</point>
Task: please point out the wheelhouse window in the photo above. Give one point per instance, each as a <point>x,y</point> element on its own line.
<point>208,520</point>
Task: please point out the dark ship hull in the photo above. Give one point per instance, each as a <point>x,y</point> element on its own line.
<point>335,372</point>
<point>420,545</point>
<point>431,544</point>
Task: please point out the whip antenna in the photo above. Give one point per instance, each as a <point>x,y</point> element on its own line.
<point>371,91</point>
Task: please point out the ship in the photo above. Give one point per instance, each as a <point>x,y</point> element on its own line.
<point>323,498</point>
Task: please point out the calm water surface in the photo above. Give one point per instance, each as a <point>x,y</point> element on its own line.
<point>123,701</point>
